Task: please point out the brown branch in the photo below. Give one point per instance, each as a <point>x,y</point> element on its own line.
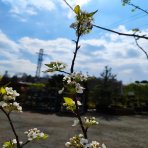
<point>71,71</point>
<point>119,33</point>
<point>63,71</point>
<point>76,49</point>
<point>25,143</point>
<point>80,120</point>
<point>68,5</point>
<point>12,127</point>
<point>136,40</point>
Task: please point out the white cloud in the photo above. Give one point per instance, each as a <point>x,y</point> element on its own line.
<point>60,49</point>
<point>120,53</point>
<point>19,8</point>
<point>11,57</point>
<point>72,3</point>
<point>29,7</point>
<point>7,44</point>
<point>15,66</point>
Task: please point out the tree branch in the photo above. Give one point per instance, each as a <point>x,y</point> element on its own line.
<point>136,40</point>
<point>68,5</point>
<point>76,49</point>
<point>63,71</point>
<point>25,143</point>
<point>119,33</point>
<point>12,127</point>
<point>137,7</point>
<point>80,120</point>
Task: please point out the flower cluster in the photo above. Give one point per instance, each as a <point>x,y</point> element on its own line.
<point>75,77</point>
<point>8,102</point>
<point>88,122</point>
<point>11,106</point>
<point>55,66</point>
<point>10,94</point>
<point>95,144</point>
<point>83,24</point>
<point>11,144</point>
<point>35,134</point>
<point>80,142</point>
<point>74,80</point>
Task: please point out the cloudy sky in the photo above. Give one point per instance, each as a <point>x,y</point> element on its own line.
<point>29,25</point>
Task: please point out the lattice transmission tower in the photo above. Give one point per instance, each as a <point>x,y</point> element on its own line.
<point>39,64</point>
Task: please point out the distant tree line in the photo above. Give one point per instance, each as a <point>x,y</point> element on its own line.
<point>104,93</point>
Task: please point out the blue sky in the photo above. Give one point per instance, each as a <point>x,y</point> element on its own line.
<point>28,25</point>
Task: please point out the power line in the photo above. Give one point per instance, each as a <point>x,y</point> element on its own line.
<point>127,20</point>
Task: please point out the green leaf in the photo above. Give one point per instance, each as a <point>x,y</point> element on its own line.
<point>8,144</point>
<point>77,9</point>
<point>69,101</point>
<point>133,10</point>
<point>2,90</point>
<point>45,136</point>
<point>55,66</point>
<point>42,138</point>
<point>92,13</point>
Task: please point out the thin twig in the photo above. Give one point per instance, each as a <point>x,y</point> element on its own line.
<point>137,7</point>
<point>25,143</point>
<point>120,33</point>
<point>80,120</point>
<point>136,40</point>
<point>68,5</point>
<point>63,71</point>
<point>12,127</point>
<point>76,49</point>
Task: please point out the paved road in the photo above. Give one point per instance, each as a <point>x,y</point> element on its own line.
<point>114,131</point>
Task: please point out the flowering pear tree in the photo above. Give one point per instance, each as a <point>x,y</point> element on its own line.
<point>72,82</point>
<point>8,105</point>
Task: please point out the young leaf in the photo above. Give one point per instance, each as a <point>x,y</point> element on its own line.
<point>45,136</point>
<point>2,91</point>
<point>92,13</point>
<point>8,144</point>
<point>69,101</point>
<point>77,9</point>
<point>42,138</point>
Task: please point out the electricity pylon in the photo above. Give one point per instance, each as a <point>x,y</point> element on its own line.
<point>39,64</point>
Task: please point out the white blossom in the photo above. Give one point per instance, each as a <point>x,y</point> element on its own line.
<point>34,133</point>
<point>14,141</point>
<point>80,142</point>
<point>83,141</point>
<point>67,144</point>
<point>79,88</point>
<point>10,94</point>
<point>61,91</point>
<point>3,104</point>
<point>90,121</point>
<point>76,122</point>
